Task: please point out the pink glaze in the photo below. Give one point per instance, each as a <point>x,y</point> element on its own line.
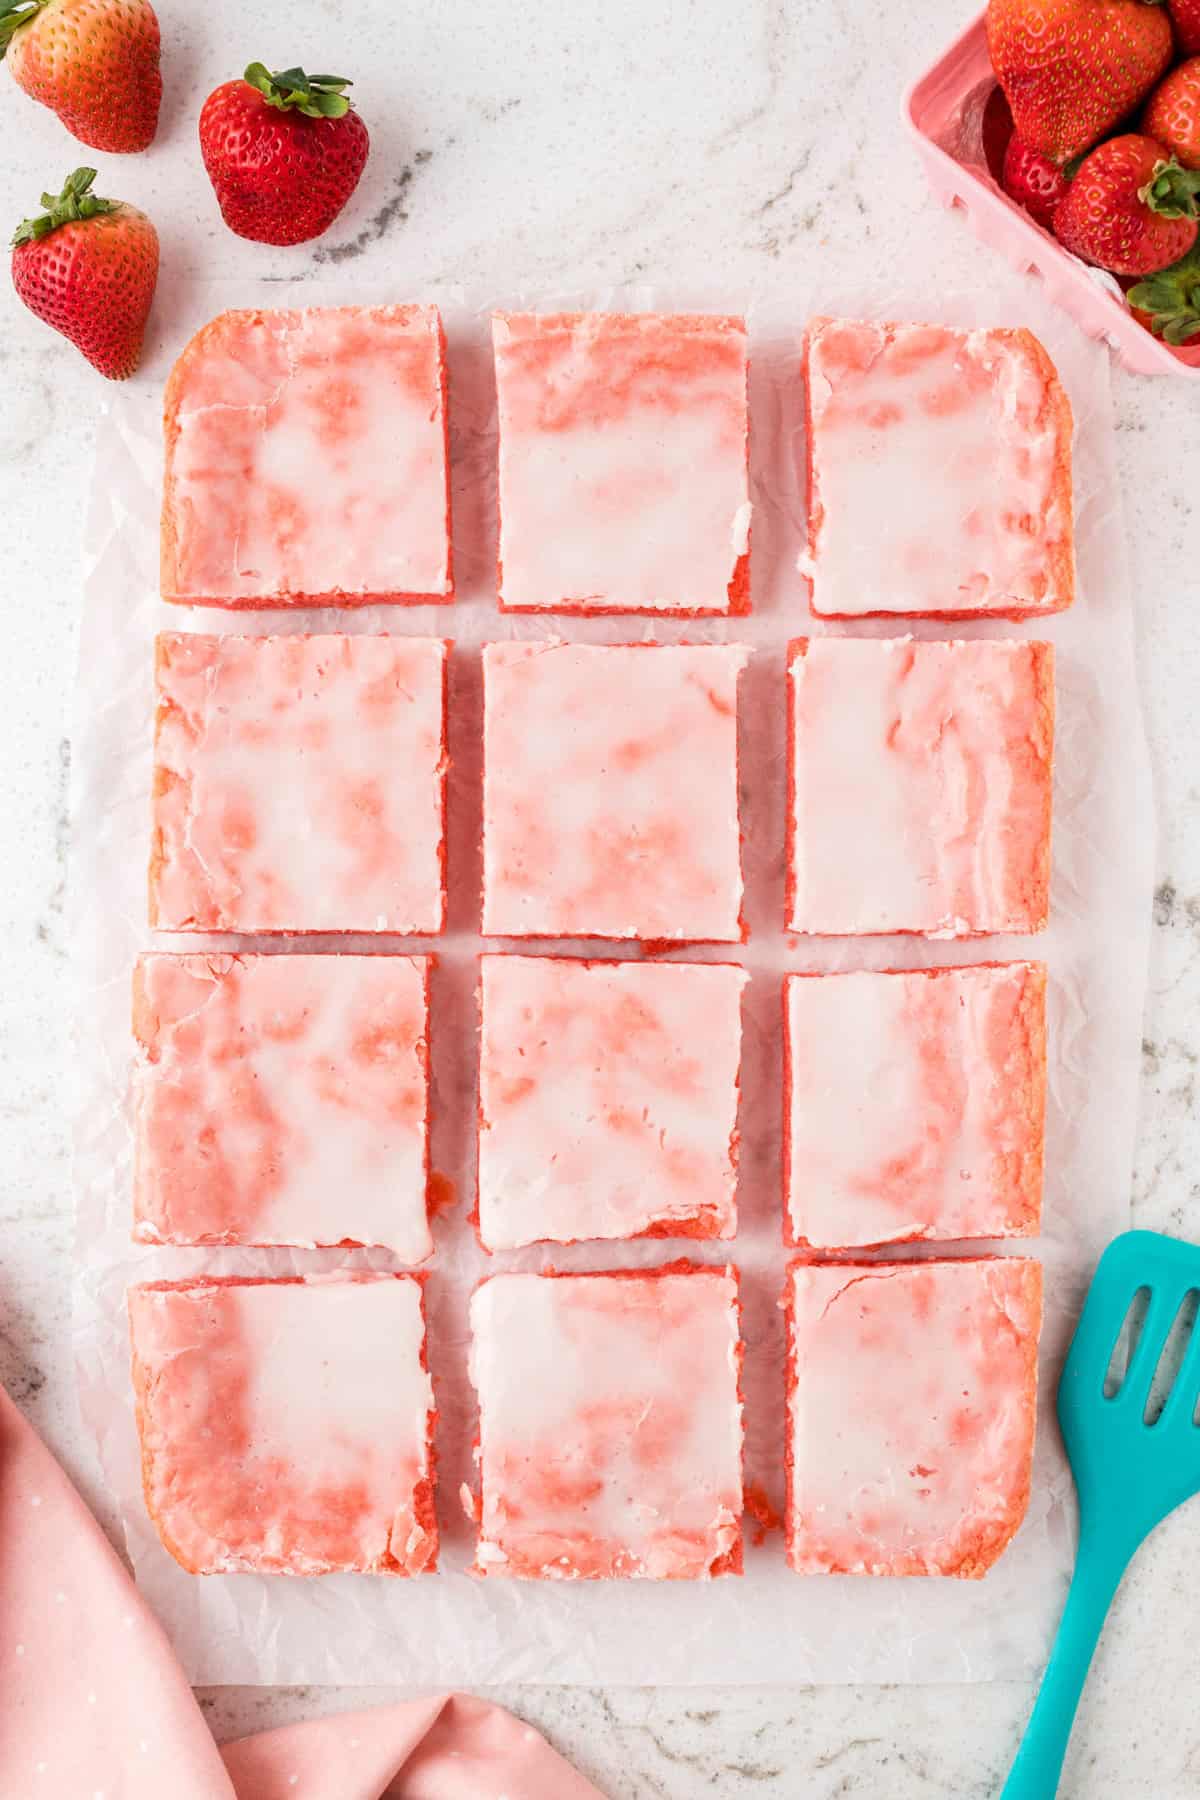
<point>299,784</point>
<point>282,1100</point>
<point>610,1424</point>
<point>624,484</point>
<point>608,1100</point>
<point>939,473</point>
<point>610,804</point>
<point>286,1425</point>
<point>916,1105</point>
<point>920,786</point>
<point>306,459</point>
<point>913,1391</point>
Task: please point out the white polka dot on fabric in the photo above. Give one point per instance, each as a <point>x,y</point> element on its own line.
<point>35,1500</point>
<point>91,1699</point>
<point>20,1649</point>
<point>40,1768</point>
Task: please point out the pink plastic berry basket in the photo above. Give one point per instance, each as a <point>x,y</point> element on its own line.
<point>938,110</point>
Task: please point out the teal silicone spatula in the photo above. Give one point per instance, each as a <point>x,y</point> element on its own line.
<point>1132,1464</point>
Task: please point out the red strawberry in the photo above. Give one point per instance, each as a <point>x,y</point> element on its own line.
<point>1130,208</point>
<point>1173,114</point>
<point>93,62</point>
<point>284,153</point>
<point>89,267</point>
<point>1072,69</point>
<point>1033,181</point>
<point>1168,304</point>
<point>1185,16</point>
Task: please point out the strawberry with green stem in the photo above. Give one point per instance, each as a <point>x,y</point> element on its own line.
<point>93,62</point>
<point>284,153</point>
<point>89,267</point>
<point>1131,208</point>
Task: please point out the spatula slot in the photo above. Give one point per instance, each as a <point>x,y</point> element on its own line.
<point>1171,1360</point>
<point>1128,1339</point>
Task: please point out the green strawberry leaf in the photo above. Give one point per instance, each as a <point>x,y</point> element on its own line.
<point>316,96</point>
<point>76,202</point>
<point>1172,299</point>
<point>1171,191</point>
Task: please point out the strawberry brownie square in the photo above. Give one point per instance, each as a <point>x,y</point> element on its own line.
<point>624,484</point>
<point>299,784</point>
<point>610,791</point>
<point>912,1399</point>
<point>306,460</point>
<point>287,1426</point>
<point>610,1424</point>
<point>920,786</point>
<point>916,1105</point>
<point>282,1100</point>
<point>939,473</point>
<point>608,1100</point>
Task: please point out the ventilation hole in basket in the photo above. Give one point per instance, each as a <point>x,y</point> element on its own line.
<point>1171,1360</point>
<point>1127,1342</point>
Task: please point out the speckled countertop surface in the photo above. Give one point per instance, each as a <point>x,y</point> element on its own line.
<point>657,140</point>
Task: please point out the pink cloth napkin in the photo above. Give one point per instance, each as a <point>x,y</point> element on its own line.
<point>94,1706</point>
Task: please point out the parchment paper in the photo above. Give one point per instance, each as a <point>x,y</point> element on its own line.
<point>771,1625</point>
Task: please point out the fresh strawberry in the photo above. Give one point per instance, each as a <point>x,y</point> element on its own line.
<point>1185,16</point>
<point>93,62</point>
<point>1130,208</point>
<point>1173,114</point>
<point>89,267</point>
<point>1168,304</point>
<point>1033,181</point>
<point>1073,69</point>
<point>284,153</point>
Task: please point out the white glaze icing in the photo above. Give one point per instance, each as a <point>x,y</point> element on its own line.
<point>282,1100</point>
<point>608,1099</point>
<point>284,1425</point>
<point>941,472</point>
<point>610,804</point>
<point>306,456</point>
<point>921,786</point>
<point>299,784</point>
<point>610,1424</point>
<point>912,1414</point>
<point>623,465</point>
<point>917,1105</point>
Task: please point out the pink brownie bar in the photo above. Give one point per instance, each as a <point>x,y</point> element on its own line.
<point>608,1100</point>
<point>287,1426</point>
<point>920,786</point>
<point>916,1105</point>
<point>939,466</point>
<point>624,484</point>
<point>610,791</point>
<point>911,1414</point>
<point>610,1424</point>
<point>306,460</point>
<point>282,1100</point>
<point>299,784</point>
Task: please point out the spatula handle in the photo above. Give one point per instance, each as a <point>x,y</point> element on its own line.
<point>1036,1771</point>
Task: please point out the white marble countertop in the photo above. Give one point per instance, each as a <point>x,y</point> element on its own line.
<point>603,141</point>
